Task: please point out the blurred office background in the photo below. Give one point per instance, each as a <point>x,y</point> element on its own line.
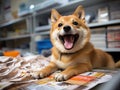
<point>25,24</point>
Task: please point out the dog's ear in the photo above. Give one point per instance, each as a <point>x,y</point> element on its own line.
<point>54,16</point>
<point>79,12</point>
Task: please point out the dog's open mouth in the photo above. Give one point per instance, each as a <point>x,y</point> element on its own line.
<point>68,40</point>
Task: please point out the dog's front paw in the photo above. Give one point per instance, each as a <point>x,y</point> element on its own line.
<point>40,74</point>
<point>34,75</point>
<point>61,77</point>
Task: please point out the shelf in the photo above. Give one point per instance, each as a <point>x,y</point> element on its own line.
<point>112,22</point>
<point>42,33</point>
<point>46,5</point>
<point>47,27</point>
<point>113,41</point>
<point>72,5</point>
<point>23,13</point>
<point>42,28</point>
<point>111,49</point>
<point>15,37</point>
<point>11,22</point>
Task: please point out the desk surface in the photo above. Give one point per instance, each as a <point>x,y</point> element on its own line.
<point>33,84</point>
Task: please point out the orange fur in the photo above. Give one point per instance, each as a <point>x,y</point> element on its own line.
<point>117,64</point>
<point>77,58</point>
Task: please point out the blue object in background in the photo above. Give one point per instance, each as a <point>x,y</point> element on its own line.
<point>43,45</point>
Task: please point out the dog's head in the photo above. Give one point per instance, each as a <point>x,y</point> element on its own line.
<point>69,33</point>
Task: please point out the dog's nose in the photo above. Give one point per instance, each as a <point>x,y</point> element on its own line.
<point>67,28</point>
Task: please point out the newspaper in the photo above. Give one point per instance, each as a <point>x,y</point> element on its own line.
<point>19,69</point>
<point>84,81</point>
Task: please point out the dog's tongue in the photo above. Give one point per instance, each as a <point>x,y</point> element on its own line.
<point>68,42</point>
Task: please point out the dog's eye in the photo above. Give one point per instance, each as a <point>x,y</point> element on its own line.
<point>60,24</point>
<point>75,23</point>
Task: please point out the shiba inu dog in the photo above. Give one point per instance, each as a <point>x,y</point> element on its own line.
<point>72,52</point>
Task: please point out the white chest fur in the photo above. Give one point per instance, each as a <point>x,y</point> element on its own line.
<point>64,65</point>
<point>59,63</point>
